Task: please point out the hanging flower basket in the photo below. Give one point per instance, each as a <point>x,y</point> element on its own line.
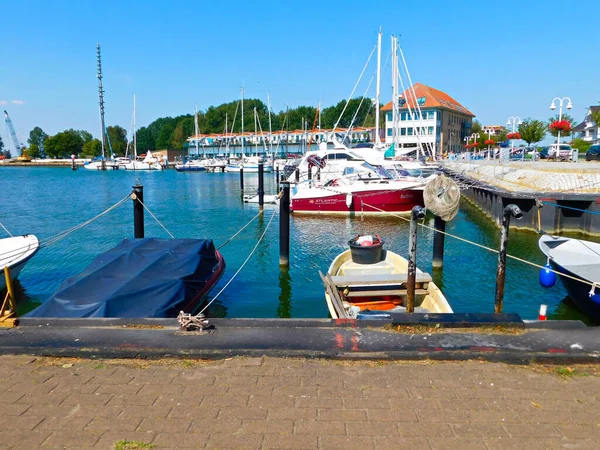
<point>469,146</point>
<point>560,125</point>
<point>514,135</point>
<point>489,142</point>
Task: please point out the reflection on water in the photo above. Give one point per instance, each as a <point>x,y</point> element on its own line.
<point>285,297</point>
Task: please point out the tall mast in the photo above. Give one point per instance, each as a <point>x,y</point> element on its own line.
<point>255,135</point>
<point>226,140</point>
<point>394,90</point>
<point>134,131</point>
<point>101,95</point>
<point>196,128</point>
<point>242,119</point>
<point>270,129</point>
<point>377,139</point>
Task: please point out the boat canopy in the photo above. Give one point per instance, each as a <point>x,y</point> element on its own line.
<point>139,278</point>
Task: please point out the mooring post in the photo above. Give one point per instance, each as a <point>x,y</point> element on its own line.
<point>509,210</point>
<point>297,172</point>
<point>73,165</point>
<point>284,226</point>
<point>242,179</point>
<point>438,242</point>
<point>418,212</point>
<point>277,171</point>
<point>261,186</point>
<point>138,211</point>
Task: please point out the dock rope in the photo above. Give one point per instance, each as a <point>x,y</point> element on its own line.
<point>239,231</point>
<point>188,321</point>
<point>57,237</point>
<point>4,228</point>
<point>154,217</point>
<point>493,250</point>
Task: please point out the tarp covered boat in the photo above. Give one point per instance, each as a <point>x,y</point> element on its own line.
<point>140,278</point>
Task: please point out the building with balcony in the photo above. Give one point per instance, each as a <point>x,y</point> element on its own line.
<point>588,130</point>
<point>427,118</point>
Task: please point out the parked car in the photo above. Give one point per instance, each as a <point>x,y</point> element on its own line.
<point>544,152</point>
<point>593,152</point>
<point>565,152</point>
<point>530,154</point>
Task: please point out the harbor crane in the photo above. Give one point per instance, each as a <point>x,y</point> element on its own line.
<point>11,129</point>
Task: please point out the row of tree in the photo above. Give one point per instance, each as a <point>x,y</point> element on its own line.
<point>172,132</point>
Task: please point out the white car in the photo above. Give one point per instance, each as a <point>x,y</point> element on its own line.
<point>565,152</point>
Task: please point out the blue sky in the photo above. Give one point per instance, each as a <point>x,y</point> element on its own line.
<point>498,59</point>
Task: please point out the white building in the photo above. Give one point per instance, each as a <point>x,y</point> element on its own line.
<point>441,125</point>
<point>588,130</point>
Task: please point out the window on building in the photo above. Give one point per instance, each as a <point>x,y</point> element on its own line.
<point>421,100</point>
<point>403,116</point>
<point>389,131</point>
<point>430,131</point>
<point>401,102</point>
<point>431,114</point>
<point>410,131</point>
<point>402,131</point>
<point>389,117</point>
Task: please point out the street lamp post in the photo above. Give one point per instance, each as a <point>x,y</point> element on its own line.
<point>515,121</point>
<point>553,107</point>
<point>475,136</point>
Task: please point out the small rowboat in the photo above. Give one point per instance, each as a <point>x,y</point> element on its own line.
<point>369,282</point>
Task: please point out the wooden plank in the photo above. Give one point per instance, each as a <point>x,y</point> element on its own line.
<point>380,293</point>
<point>336,301</point>
<point>398,278</point>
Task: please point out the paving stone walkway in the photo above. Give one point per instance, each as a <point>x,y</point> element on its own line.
<point>278,403</point>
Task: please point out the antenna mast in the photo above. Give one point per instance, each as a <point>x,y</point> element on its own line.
<point>101,96</point>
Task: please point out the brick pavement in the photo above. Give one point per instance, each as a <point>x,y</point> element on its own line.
<point>264,403</point>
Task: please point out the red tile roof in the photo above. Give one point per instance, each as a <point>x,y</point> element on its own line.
<point>434,98</point>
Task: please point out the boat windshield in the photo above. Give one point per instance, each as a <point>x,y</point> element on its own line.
<point>365,168</point>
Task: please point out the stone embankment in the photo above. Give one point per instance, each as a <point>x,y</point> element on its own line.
<point>42,163</point>
<point>533,177</point>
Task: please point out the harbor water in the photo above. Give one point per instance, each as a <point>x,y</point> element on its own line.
<point>48,201</point>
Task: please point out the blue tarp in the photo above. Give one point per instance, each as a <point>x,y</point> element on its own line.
<point>139,278</point>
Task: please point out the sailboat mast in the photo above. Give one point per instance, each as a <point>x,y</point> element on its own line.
<point>196,128</point>
<point>395,91</point>
<point>377,138</point>
<point>134,130</point>
<point>101,95</point>
<point>255,134</point>
<point>226,140</point>
<point>270,128</point>
<point>242,120</point>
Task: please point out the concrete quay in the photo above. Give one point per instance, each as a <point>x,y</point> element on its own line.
<point>278,403</point>
<point>569,192</point>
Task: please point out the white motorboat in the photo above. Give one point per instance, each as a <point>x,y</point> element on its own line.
<point>580,259</point>
<point>15,252</point>
<point>367,282</point>
<point>192,165</point>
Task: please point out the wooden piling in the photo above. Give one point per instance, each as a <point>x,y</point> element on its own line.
<point>284,226</point>
<point>242,179</point>
<point>509,210</point>
<point>438,242</point>
<point>261,186</point>
<point>8,309</point>
<point>417,213</point>
<point>138,211</point>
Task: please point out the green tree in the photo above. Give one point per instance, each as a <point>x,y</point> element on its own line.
<point>532,130</point>
<point>34,151</point>
<point>37,137</point>
<point>596,117</point>
<point>145,140</point>
<point>92,148</point>
<point>476,127</point>
<point>581,145</point>
<point>64,144</point>
<point>118,139</point>
<point>566,117</point>
<point>164,139</point>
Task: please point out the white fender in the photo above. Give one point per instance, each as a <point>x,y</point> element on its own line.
<point>349,199</point>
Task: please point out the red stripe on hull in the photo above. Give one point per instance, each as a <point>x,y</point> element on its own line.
<point>389,201</point>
